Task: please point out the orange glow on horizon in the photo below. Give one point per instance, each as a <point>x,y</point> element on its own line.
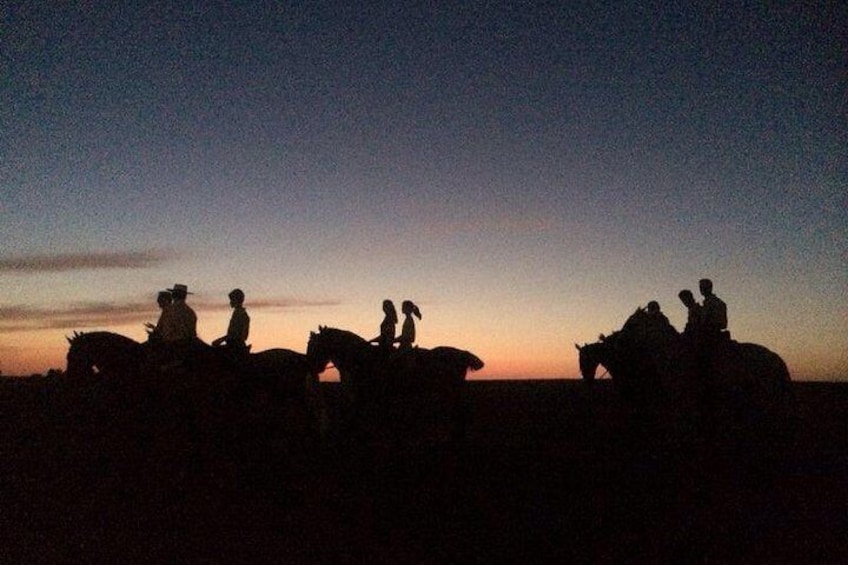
<point>34,352</point>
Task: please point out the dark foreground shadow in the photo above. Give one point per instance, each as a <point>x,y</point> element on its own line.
<point>547,472</point>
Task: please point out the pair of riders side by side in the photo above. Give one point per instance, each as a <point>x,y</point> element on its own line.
<point>705,331</point>
<point>177,321</point>
<point>176,330</point>
<point>386,340</point>
<point>706,324</point>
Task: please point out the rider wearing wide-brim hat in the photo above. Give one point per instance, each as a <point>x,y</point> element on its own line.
<point>179,322</point>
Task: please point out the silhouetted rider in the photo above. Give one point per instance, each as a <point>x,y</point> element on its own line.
<point>164,300</point>
<point>238,328</point>
<point>385,341</point>
<point>407,333</point>
<point>658,323</point>
<point>710,334</point>
<point>694,314</point>
<point>714,314</point>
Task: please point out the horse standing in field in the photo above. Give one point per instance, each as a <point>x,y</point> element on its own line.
<point>281,373</point>
<point>743,382</point>
<point>370,377</point>
<point>114,355</point>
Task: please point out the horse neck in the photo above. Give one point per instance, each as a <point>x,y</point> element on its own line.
<point>613,359</point>
<point>348,349</point>
<point>111,340</point>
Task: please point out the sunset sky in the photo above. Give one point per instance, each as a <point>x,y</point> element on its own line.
<point>527,173</point>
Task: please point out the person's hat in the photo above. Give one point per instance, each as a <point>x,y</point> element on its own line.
<point>180,288</point>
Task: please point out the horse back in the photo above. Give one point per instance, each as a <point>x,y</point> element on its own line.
<point>279,359</point>
<point>757,359</point>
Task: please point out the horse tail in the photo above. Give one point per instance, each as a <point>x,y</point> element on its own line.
<point>473,362</point>
<point>453,357</point>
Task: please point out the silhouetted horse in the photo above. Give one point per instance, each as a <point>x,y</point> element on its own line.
<point>743,380</point>
<point>283,373</point>
<point>368,375</point>
<point>112,354</point>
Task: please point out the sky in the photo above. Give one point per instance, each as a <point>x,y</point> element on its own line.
<point>529,173</point>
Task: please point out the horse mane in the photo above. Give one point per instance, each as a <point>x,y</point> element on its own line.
<point>99,335</point>
<point>343,334</point>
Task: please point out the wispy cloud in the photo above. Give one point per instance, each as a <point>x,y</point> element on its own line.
<point>289,303</point>
<point>107,314</point>
<point>23,318</point>
<point>503,224</point>
<point>218,305</point>
<point>61,262</point>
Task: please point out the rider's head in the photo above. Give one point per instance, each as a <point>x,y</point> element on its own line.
<point>236,297</point>
<point>408,307</point>
<point>163,298</point>
<point>706,287</point>
<point>653,307</point>
<point>686,297</point>
<point>179,292</point>
<point>389,309</point>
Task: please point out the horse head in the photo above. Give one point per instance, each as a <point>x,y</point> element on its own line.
<point>343,348</point>
<point>79,362</point>
<point>317,352</point>
<point>590,357</point>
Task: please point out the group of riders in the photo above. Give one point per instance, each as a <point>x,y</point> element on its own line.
<point>176,328</point>
<point>706,323</point>
<point>702,336</point>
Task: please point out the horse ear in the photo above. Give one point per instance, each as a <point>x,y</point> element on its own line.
<point>69,339</point>
<point>577,347</point>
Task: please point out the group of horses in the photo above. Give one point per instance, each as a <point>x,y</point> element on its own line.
<point>367,373</point>
<point>662,369</point>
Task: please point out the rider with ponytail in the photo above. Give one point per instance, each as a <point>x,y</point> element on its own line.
<point>407,334</point>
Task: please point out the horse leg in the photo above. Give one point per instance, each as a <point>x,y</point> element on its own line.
<point>459,410</point>
<point>315,405</point>
<point>349,408</point>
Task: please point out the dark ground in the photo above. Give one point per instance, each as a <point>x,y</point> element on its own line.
<point>550,471</point>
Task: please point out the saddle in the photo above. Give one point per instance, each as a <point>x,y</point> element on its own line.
<point>396,363</point>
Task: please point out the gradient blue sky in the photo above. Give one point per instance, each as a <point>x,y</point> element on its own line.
<point>528,173</point>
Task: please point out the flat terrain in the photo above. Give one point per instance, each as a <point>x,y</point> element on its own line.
<point>549,471</point>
